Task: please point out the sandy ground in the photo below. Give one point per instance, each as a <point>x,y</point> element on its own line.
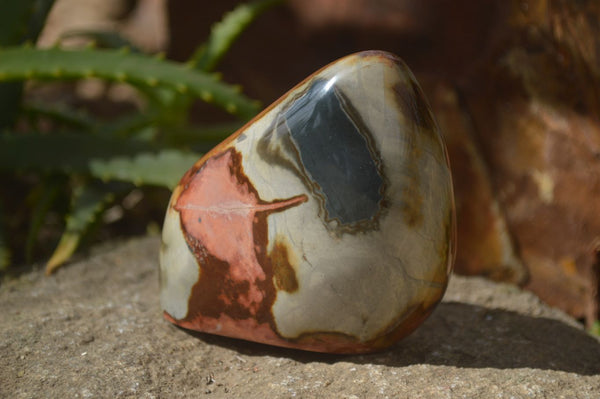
<point>95,330</point>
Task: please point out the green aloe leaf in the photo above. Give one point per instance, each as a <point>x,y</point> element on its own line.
<point>595,330</point>
<point>107,158</point>
<point>62,152</point>
<point>20,21</point>
<point>45,195</point>
<point>4,254</point>
<point>4,249</point>
<point>10,98</point>
<point>87,204</point>
<point>14,20</point>
<point>205,137</point>
<point>103,39</point>
<point>60,114</point>
<point>118,66</point>
<point>164,168</point>
<point>224,33</point>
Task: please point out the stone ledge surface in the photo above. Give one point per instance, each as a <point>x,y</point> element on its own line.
<point>95,329</point>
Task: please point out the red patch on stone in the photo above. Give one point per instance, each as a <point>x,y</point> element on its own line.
<point>225,224</point>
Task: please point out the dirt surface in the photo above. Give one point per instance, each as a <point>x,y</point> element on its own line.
<point>95,330</point>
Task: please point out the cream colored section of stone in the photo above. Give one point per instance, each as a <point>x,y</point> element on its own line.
<point>359,284</point>
<point>178,268</point>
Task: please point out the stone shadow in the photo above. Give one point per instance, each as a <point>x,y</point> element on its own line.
<point>467,336</point>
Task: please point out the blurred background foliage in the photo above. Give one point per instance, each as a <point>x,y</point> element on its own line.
<point>67,169</point>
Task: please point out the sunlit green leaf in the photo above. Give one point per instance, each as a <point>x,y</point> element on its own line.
<point>148,73</point>
<point>224,33</point>
<point>88,203</point>
<point>164,168</point>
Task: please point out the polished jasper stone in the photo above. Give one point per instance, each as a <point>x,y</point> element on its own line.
<point>325,224</point>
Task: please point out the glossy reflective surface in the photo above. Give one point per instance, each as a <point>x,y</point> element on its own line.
<point>326,224</point>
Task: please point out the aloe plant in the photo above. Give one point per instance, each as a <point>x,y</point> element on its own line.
<point>99,160</point>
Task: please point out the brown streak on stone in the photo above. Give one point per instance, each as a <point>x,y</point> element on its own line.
<point>207,297</point>
<point>285,274</point>
<point>414,108</point>
<point>411,203</point>
<point>260,232</point>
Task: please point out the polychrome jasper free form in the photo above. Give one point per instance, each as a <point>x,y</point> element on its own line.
<point>325,224</point>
